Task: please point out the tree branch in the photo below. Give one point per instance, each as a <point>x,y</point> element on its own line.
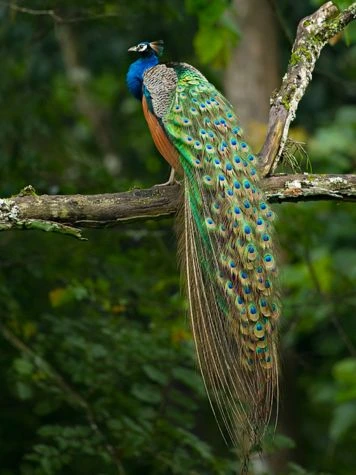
<point>30,211</point>
<point>313,33</point>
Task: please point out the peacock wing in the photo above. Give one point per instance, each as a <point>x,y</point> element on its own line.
<point>159,86</point>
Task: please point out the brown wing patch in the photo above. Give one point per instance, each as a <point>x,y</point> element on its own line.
<point>164,146</point>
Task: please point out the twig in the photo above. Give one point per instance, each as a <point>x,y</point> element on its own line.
<point>52,13</point>
<point>313,33</point>
<point>32,11</point>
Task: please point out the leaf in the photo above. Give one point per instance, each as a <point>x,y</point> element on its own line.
<point>58,296</point>
<point>23,390</point>
<point>350,34</point>
<point>155,374</point>
<point>98,351</point>
<point>79,292</point>
<point>189,439</point>
<point>342,4</point>
<point>29,329</point>
<point>146,393</point>
<point>23,366</point>
<point>183,400</point>
<point>344,417</point>
<point>209,11</point>
<point>345,371</point>
<point>190,378</point>
<point>208,44</point>
<point>277,441</point>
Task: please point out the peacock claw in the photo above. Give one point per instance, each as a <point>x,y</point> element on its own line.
<point>168,183</point>
<point>171,180</point>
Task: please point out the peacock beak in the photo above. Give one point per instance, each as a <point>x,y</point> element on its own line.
<point>133,48</point>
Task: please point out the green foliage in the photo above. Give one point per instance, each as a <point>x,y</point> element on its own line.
<point>341,4</point>
<point>217,32</point>
<point>295,469</point>
<point>333,144</point>
<point>96,360</point>
<point>125,386</point>
<point>107,362</point>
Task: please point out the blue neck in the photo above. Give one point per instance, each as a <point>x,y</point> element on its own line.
<point>134,77</point>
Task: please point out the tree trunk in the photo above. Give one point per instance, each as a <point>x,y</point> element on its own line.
<point>253,72</point>
<point>96,115</point>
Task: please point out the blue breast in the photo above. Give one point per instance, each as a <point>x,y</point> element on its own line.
<point>134,77</point>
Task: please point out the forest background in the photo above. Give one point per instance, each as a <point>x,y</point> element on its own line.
<point>97,365</point>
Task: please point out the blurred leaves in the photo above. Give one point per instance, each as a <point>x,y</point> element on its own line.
<point>102,371</point>
<point>344,418</point>
<point>345,374</point>
<point>333,144</point>
<point>341,4</point>
<point>217,33</point>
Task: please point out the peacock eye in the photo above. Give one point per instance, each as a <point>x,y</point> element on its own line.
<point>142,47</point>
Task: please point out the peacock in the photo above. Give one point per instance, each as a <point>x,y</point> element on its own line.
<point>225,236</point>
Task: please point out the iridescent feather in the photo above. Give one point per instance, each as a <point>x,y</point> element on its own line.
<point>225,247</point>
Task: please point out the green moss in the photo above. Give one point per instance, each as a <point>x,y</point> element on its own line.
<point>285,103</point>
<point>50,226</point>
<point>28,191</point>
<point>306,53</point>
<point>299,54</point>
<point>63,213</point>
<point>294,59</point>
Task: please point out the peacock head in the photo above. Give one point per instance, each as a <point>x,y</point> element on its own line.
<point>148,48</point>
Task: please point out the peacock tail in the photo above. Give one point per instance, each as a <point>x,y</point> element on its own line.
<point>225,246</point>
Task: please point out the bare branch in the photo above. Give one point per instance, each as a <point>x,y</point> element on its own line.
<point>31,11</point>
<point>54,15</point>
<point>51,212</point>
<point>313,33</point>
<point>310,187</point>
